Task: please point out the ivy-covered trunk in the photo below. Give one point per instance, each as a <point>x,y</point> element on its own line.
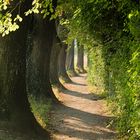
<point>15,110</point>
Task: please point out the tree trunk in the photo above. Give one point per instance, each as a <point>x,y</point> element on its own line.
<point>39,60</point>
<point>70,61</point>
<point>14,105</point>
<point>80,59</point>
<point>54,76</point>
<point>62,65</point>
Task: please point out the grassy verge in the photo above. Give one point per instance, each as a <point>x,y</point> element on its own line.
<point>40,108</point>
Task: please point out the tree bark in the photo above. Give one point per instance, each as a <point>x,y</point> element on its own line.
<point>80,59</point>
<point>39,57</point>
<point>39,73</point>
<point>62,64</point>
<point>70,61</point>
<point>14,105</point>
<point>54,76</point>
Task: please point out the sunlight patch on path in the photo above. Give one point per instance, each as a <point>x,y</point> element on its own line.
<point>82,116</point>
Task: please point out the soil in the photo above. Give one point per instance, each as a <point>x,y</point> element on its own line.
<point>82,115</point>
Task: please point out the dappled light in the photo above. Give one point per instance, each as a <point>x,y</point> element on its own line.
<point>69,70</point>
<point>82,115</point>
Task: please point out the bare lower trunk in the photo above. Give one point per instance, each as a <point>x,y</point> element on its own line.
<point>70,61</point>
<point>80,59</point>
<point>62,64</point>
<point>39,59</point>
<point>54,76</point>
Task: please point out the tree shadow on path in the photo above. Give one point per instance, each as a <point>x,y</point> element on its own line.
<point>79,124</point>
<point>89,96</point>
<point>82,116</point>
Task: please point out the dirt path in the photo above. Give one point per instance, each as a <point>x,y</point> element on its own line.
<point>82,116</point>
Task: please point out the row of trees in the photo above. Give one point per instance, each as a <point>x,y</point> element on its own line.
<point>32,59</point>
<point>108,29</point>
<point>110,32</point>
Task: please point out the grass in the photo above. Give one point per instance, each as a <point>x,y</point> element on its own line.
<point>40,108</point>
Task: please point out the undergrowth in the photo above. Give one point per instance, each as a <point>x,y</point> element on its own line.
<point>40,108</point>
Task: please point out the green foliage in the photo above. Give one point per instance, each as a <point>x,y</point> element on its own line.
<point>8,21</point>
<point>114,25</point>
<point>96,70</point>
<point>134,23</point>
<point>11,14</point>
<point>124,95</point>
<point>42,7</point>
<point>134,73</point>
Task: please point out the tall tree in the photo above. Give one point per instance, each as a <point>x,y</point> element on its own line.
<point>54,68</point>
<point>62,32</point>
<point>14,105</point>
<point>40,53</point>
